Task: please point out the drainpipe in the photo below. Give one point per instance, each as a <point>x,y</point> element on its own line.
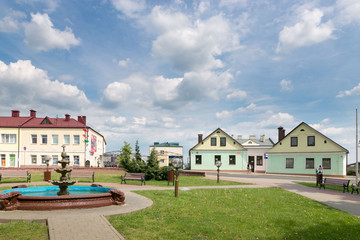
<point>18,155</point>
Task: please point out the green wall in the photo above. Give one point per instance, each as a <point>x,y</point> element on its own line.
<point>277,163</point>
<point>208,162</point>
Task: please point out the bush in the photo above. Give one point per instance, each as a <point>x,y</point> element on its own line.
<point>164,172</point>
<point>351,172</point>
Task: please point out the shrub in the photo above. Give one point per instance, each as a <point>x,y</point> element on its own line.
<point>164,172</point>
<point>351,172</point>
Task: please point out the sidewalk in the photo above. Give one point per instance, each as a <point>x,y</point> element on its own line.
<point>92,223</point>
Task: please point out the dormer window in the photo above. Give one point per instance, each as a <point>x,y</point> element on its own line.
<point>46,121</point>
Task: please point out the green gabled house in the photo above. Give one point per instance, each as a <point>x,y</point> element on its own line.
<point>218,146</point>
<point>303,150</point>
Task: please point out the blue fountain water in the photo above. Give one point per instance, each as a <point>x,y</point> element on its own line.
<point>52,190</point>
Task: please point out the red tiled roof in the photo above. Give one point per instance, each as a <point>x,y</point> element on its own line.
<point>29,122</point>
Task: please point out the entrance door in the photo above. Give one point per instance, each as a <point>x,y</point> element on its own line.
<point>12,160</point>
<point>3,160</point>
<point>87,163</point>
<point>251,162</point>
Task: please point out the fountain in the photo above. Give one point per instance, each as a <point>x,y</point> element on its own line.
<point>63,183</point>
<point>43,198</point>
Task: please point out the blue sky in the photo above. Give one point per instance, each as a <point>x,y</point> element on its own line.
<point>158,71</point>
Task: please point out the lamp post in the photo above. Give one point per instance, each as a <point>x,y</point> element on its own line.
<point>218,165</point>
<point>47,174</point>
<point>176,164</point>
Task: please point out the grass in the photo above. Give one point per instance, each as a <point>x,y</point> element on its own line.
<point>23,231</point>
<point>312,184</point>
<point>269,213</point>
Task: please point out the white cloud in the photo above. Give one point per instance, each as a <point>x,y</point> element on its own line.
<point>286,85</point>
<point>115,121</point>
<point>129,7</point>
<point>307,32</point>
<point>349,11</point>
<point>227,114</point>
<point>203,6</point>
<point>41,35</point>
<point>278,119</point>
<point>165,88</point>
<point>115,94</point>
<point>140,121</point>
<point>11,22</point>
<point>233,3</point>
<point>124,63</point>
<point>237,94</point>
<point>22,79</point>
<point>192,46</point>
<point>354,91</point>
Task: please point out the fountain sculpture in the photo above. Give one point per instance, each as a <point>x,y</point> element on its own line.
<point>28,198</point>
<point>63,183</point>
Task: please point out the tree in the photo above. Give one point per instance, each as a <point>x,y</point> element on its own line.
<point>138,162</point>
<point>152,166</point>
<point>125,157</point>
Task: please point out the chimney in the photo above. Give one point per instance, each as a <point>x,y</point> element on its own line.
<point>15,113</point>
<point>32,113</point>
<point>262,138</point>
<point>67,117</point>
<point>239,137</point>
<point>200,138</point>
<point>281,133</point>
<point>82,119</point>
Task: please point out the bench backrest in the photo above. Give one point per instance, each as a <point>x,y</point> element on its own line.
<point>81,174</point>
<point>134,174</point>
<point>337,182</point>
<point>14,173</point>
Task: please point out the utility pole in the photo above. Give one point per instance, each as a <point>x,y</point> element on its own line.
<point>357,147</point>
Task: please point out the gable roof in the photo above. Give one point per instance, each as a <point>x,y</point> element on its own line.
<point>313,129</point>
<point>218,129</point>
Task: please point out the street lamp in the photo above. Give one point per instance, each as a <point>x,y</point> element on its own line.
<point>176,164</point>
<point>218,165</point>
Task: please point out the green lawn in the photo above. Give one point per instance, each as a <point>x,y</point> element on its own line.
<point>23,231</point>
<point>269,213</point>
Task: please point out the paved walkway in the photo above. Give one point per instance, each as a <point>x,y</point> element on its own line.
<point>92,223</point>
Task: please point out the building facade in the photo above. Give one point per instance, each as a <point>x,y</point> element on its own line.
<point>303,150</point>
<point>256,151</point>
<point>218,146</point>
<point>27,141</point>
<point>166,152</point>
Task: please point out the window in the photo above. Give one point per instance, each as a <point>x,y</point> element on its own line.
<point>76,139</point>
<point>55,139</point>
<point>43,159</point>
<point>55,159</point>
<point>12,160</point>
<point>232,160</point>
<point>294,141</point>
<point>217,158</point>
<point>198,159</point>
<point>309,163</point>
<point>161,160</point>
<point>43,139</point>
<point>3,160</point>
<point>259,160</point>
<point>326,163</point>
<point>33,159</point>
<point>162,152</point>
<point>311,140</point>
<point>289,163</point>
<point>8,138</point>
<point>223,141</point>
<point>33,139</point>
<point>213,141</point>
<point>76,160</point>
<point>66,139</point>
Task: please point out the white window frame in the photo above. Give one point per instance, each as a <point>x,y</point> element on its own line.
<point>55,136</point>
<point>42,138</point>
<point>67,137</point>
<point>76,139</point>
<point>33,137</point>
<point>8,138</point>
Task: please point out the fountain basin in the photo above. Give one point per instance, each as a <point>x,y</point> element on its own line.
<point>45,198</point>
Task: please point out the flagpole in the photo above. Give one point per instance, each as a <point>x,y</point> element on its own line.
<point>357,147</point>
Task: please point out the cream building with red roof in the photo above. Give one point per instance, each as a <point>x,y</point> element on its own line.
<point>27,140</point>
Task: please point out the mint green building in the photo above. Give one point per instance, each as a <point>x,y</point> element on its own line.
<point>303,150</point>
<point>218,146</point>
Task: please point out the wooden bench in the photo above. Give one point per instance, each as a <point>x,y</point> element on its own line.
<point>82,174</point>
<point>336,182</point>
<point>15,174</point>
<point>133,176</point>
<point>355,188</point>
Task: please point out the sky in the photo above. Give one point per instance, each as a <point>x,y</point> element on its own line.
<point>166,71</point>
